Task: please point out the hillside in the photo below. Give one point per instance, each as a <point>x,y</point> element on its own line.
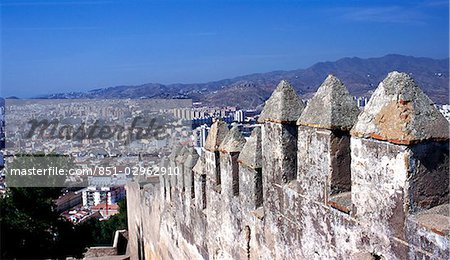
<point>361,76</point>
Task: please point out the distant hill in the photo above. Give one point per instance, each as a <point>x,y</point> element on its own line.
<point>361,76</point>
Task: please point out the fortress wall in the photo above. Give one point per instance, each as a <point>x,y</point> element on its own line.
<point>321,181</point>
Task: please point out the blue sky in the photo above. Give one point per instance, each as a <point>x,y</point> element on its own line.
<point>77,45</point>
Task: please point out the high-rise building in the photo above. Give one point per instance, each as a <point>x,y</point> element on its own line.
<point>239,116</point>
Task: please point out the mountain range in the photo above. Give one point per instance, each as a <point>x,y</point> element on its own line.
<point>361,76</point>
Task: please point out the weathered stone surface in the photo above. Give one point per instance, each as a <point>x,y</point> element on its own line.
<point>229,174</point>
<point>251,154</point>
<point>443,210</point>
<point>230,203</point>
<point>428,179</point>
<point>435,222</point>
<point>233,142</point>
<point>341,201</point>
<point>379,169</point>
<point>340,179</point>
<point>165,184</point>
<point>426,230</point>
<point>436,219</point>
<point>399,112</point>
<point>332,107</point>
<point>362,256</point>
<point>199,165</point>
<point>323,162</point>
<point>314,161</point>
<point>212,169</point>
<point>217,133</point>
<point>236,227</point>
<point>284,106</point>
<point>174,159</point>
<point>191,158</point>
<point>250,188</point>
<point>179,179</point>
<point>181,156</point>
<point>200,182</point>
<point>175,152</point>
<point>279,151</point>
<point>385,215</point>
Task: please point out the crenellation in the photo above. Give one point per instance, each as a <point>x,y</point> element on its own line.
<point>398,156</point>
<point>180,164</point>
<point>172,164</point>
<point>164,180</point>
<point>251,197</point>
<point>278,116</point>
<point>230,148</point>
<point>324,145</point>
<point>188,173</point>
<point>279,156</point>
<point>319,182</point>
<point>250,172</point>
<point>251,154</point>
<point>233,142</point>
<point>218,131</point>
<point>199,191</point>
<point>213,185</point>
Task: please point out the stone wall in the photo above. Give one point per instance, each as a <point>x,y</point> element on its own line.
<point>321,181</point>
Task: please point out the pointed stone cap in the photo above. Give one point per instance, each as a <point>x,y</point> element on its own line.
<point>199,166</point>
<point>191,158</point>
<point>332,107</point>
<point>233,142</point>
<point>251,154</point>
<point>284,106</point>
<point>217,133</point>
<point>399,112</point>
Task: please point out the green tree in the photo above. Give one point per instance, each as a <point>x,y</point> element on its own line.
<point>31,228</point>
<point>30,225</point>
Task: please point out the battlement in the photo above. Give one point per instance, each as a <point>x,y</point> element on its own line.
<point>321,181</point>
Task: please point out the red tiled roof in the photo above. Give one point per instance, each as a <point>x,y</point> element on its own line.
<point>102,206</point>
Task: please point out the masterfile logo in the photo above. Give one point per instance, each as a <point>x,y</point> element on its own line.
<point>50,141</point>
<point>55,129</point>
